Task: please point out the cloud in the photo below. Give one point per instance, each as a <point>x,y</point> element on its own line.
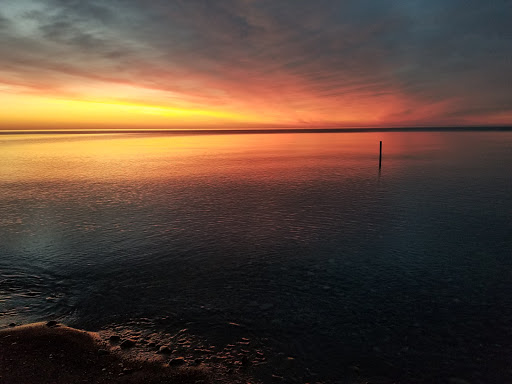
<point>388,62</point>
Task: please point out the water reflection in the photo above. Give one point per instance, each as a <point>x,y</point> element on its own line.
<point>296,237</point>
<point>115,157</point>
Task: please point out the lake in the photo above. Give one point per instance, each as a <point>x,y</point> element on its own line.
<point>290,251</point>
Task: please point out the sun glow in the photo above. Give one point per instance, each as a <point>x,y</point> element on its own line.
<point>28,110</point>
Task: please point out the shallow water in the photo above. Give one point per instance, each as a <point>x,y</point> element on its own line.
<point>297,238</point>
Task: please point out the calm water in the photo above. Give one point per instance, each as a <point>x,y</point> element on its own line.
<point>296,238</point>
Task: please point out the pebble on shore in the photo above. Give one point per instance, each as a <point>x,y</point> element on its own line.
<point>177,361</point>
<point>164,349</point>
<point>52,323</point>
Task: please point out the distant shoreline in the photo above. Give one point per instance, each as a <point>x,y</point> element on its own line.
<point>257,131</point>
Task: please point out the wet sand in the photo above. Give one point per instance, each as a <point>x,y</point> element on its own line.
<point>53,353</point>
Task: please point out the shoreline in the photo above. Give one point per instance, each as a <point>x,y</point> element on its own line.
<point>54,353</point>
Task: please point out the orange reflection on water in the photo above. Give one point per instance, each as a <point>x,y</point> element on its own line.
<point>155,156</point>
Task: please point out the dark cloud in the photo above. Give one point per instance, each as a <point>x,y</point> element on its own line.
<point>457,52</point>
<point>4,23</point>
<point>84,11</point>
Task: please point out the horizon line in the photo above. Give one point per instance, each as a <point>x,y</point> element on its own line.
<point>505,128</point>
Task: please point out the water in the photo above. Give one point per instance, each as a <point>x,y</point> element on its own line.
<point>295,242</point>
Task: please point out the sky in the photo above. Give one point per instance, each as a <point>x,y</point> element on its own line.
<point>134,64</point>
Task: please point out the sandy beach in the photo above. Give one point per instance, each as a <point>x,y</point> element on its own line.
<point>53,353</point>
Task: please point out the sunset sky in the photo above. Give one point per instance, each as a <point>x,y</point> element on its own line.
<point>254,63</point>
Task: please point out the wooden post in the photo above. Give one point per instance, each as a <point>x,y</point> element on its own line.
<point>380,156</point>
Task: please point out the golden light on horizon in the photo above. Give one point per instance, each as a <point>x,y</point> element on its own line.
<point>21,110</point>
<point>24,110</point>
